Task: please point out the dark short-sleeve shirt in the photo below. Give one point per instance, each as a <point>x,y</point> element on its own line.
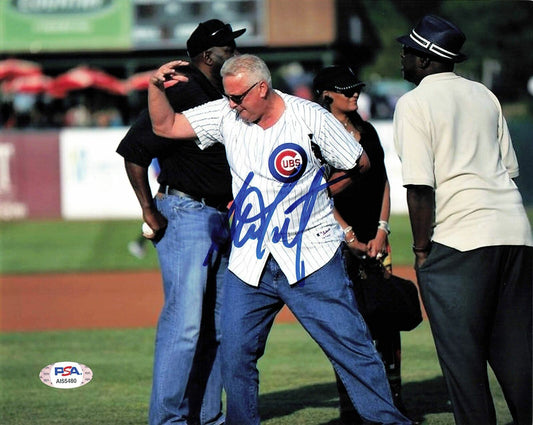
<point>183,165</point>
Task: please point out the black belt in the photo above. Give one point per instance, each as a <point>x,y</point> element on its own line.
<point>217,204</point>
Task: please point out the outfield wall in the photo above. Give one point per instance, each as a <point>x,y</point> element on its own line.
<point>93,182</point>
<point>68,174</point>
<point>76,174</point>
<point>29,175</point>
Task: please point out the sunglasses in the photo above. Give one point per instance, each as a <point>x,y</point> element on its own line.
<point>349,92</point>
<point>238,98</point>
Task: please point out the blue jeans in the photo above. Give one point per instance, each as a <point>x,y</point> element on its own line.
<point>187,383</point>
<point>324,304</point>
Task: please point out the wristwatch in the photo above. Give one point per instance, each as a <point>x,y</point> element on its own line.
<point>426,249</point>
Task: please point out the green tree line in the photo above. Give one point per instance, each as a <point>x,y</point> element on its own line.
<point>499,36</point>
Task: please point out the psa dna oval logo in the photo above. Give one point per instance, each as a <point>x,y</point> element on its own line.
<point>288,162</point>
<point>66,375</point>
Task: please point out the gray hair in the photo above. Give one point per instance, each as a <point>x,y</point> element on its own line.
<point>250,65</point>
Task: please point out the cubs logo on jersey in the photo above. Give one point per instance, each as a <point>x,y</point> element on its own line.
<point>287,162</point>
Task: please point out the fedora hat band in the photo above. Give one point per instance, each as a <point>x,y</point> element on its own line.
<point>433,48</point>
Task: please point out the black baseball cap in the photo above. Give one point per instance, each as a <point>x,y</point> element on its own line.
<point>336,78</point>
<point>209,34</point>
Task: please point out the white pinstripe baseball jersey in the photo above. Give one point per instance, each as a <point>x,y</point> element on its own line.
<point>281,203</point>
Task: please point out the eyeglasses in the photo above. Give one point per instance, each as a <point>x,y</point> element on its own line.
<point>238,98</point>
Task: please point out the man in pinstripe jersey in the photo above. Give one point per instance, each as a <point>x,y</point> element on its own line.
<point>285,240</point>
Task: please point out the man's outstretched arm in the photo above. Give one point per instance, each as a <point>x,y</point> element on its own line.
<point>165,122</point>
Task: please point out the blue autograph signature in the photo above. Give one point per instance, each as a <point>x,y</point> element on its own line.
<point>259,222</point>
<point>240,213</point>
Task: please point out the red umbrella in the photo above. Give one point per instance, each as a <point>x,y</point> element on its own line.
<point>139,81</point>
<point>83,77</point>
<point>32,84</point>
<point>11,68</point>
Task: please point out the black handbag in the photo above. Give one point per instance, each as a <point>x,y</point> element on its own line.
<point>386,302</point>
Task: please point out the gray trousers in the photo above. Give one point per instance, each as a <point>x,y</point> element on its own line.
<point>479,305</point>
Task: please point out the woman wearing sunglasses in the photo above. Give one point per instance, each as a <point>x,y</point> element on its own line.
<point>362,204</point>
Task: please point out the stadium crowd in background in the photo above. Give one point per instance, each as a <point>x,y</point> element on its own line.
<point>24,111</point>
<point>94,107</point>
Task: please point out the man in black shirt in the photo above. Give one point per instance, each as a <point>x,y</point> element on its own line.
<point>188,217</point>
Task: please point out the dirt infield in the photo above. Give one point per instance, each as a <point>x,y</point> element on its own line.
<point>90,300</point>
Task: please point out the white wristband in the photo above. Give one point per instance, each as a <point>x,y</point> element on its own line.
<point>383,225</point>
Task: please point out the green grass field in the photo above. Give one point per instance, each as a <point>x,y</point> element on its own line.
<point>71,246</point>
<point>297,384</point>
